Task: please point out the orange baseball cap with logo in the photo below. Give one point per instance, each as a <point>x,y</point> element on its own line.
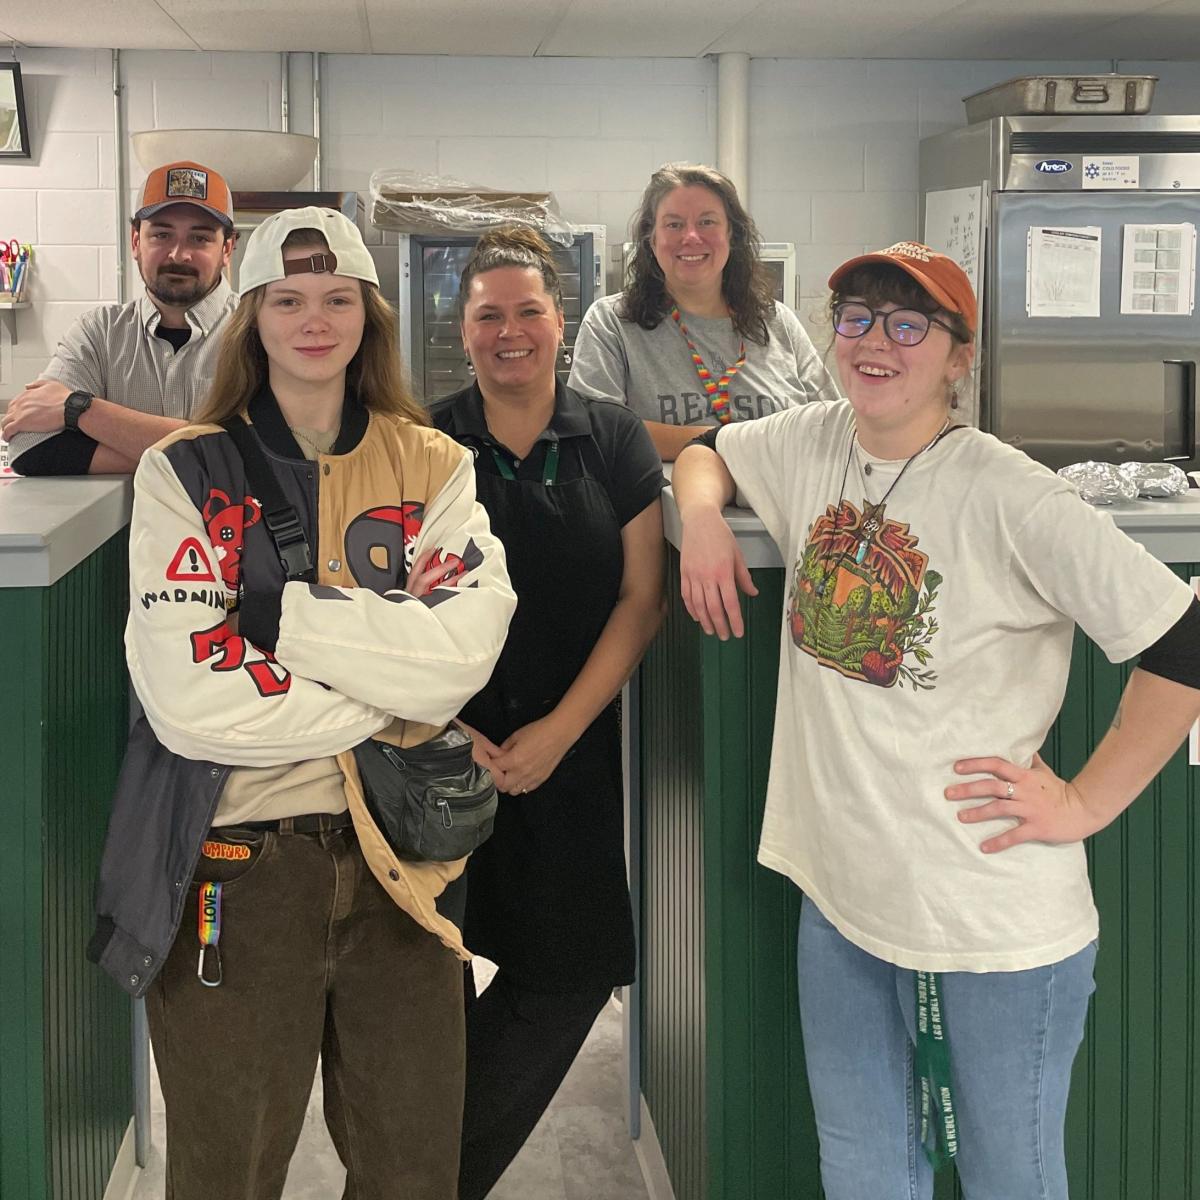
<point>186,183</point>
<point>937,273</point>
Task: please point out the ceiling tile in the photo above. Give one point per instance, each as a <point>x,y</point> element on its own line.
<point>666,28</point>
<point>1168,31</point>
<point>501,27</point>
<point>123,24</point>
<point>819,29</point>
<point>335,26</point>
<point>1019,29</point>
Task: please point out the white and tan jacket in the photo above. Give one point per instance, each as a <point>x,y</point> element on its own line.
<point>357,656</point>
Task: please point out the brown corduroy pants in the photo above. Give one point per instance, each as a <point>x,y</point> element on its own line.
<point>316,959</point>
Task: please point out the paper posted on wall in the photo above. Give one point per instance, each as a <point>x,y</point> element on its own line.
<point>955,225</point>
<point>1062,271</point>
<point>1158,270</point>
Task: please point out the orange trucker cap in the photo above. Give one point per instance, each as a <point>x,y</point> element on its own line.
<point>937,273</point>
<point>186,183</point>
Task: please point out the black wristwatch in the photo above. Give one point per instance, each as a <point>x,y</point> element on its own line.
<point>75,405</point>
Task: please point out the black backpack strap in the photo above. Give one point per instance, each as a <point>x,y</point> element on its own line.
<point>280,518</point>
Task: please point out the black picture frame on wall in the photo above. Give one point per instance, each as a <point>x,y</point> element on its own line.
<point>14,126</point>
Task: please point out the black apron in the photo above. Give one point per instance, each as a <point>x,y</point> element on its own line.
<point>547,898</point>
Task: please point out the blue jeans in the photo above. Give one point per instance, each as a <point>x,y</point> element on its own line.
<point>1013,1038</point>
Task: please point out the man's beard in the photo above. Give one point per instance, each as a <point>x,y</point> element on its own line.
<point>178,289</point>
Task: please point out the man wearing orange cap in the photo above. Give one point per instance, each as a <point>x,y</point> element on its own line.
<point>125,376</point>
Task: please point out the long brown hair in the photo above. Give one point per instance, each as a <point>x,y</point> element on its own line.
<point>511,246</point>
<point>746,285</point>
<point>374,375</point>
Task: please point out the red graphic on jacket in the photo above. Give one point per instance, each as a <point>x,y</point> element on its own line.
<point>227,523</point>
<point>225,650</point>
<point>380,544</point>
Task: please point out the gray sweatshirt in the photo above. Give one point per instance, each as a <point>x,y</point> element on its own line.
<point>651,370</point>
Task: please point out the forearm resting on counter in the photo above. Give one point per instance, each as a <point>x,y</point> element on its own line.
<point>669,440</point>
<point>123,431</point>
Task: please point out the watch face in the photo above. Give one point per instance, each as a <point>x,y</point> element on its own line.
<point>77,403</point>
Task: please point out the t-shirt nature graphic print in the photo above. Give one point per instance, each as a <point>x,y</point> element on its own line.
<point>862,598</point>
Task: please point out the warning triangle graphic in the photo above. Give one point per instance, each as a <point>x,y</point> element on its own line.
<point>190,564</point>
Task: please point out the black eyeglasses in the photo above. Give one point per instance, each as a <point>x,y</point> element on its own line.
<point>904,326</point>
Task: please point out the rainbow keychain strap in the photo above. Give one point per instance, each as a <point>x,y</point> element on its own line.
<point>208,968</point>
<point>718,390</point>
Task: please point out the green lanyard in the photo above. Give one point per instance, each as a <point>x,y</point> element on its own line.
<point>939,1128</point>
<point>549,467</point>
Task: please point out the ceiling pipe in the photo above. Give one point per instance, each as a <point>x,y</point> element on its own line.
<point>284,115</point>
<point>119,185</point>
<point>733,120</point>
<point>318,181</point>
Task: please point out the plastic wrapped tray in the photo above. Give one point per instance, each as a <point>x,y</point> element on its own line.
<point>1046,95</point>
<point>409,202</point>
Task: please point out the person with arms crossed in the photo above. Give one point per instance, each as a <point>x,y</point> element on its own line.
<point>946,949</point>
<point>125,376</point>
<point>696,338</point>
<point>240,832</point>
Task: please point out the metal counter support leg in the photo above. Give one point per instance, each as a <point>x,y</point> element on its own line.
<point>141,1083</point>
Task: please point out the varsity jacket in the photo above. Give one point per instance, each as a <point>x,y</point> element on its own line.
<point>356,655</point>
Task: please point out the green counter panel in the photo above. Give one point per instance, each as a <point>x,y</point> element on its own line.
<point>722,1056</point>
<point>66,1092</point>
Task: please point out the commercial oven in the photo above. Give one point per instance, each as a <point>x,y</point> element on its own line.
<point>430,269</point>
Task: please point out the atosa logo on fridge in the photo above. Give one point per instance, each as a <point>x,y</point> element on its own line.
<point>1053,166</point>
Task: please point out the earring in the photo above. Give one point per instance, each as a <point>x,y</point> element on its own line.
<point>470,364</point>
<point>954,392</point>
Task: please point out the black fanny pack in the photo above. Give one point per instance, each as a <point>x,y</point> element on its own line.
<point>432,802</point>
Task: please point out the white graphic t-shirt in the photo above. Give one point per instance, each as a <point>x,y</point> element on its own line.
<point>935,627</point>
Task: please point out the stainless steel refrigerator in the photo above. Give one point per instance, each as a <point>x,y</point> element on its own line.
<point>1116,386</point>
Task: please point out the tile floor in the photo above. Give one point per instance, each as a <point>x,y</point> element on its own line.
<point>580,1151</point>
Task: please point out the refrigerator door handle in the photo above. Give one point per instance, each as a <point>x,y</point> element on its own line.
<point>1179,410</point>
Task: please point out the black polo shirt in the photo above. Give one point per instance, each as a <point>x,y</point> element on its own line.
<point>597,439</point>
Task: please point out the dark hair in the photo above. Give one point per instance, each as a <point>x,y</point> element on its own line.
<point>511,246</point>
<point>882,283</point>
<point>746,285</point>
<point>374,375</point>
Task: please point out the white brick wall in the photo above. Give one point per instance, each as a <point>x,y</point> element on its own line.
<point>833,143</point>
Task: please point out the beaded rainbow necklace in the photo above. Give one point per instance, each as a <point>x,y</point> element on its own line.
<point>718,390</point>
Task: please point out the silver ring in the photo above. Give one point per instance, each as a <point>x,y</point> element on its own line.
<point>1008,790</point>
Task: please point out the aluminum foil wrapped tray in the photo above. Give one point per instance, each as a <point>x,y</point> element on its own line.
<point>1100,483</point>
<point>1156,480</point>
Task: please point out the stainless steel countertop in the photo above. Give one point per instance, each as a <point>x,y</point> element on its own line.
<point>49,526</point>
<point>1169,529</point>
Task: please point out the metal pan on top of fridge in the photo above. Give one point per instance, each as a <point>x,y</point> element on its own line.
<point>1047,95</point>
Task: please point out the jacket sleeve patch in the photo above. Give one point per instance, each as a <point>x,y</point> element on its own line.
<point>231,653</point>
<point>227,522</point>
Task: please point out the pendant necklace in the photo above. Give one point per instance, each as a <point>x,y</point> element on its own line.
<point>871,523</point>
